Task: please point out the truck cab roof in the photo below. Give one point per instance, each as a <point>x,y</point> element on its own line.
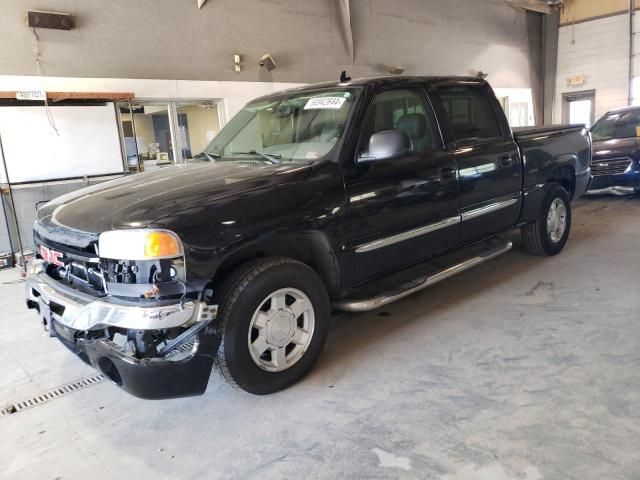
<point>376,82</point>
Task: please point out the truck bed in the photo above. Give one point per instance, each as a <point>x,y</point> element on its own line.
<point>550,148</point>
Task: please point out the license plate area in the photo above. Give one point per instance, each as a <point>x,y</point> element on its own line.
<point>45,311</point>
<point>61,331</point>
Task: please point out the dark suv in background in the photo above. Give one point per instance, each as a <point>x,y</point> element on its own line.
<point>616,152</point>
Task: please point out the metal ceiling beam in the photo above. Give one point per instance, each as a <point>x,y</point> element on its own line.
<point>345,14</point>
<point>542,6</point>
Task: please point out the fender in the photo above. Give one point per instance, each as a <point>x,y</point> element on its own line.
<point>311,247</point>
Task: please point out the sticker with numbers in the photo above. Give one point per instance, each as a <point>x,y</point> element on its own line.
<point>322,103</point>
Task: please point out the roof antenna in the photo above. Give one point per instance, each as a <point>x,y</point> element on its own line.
<point>343,77</point>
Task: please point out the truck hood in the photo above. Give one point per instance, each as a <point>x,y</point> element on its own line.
<point>138,200</point>
<point>618,147</point>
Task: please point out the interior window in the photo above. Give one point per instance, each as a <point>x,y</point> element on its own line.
<point>470,113</point>
<point>404,110</point>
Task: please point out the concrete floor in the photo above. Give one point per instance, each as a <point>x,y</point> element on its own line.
<point>524,368</point>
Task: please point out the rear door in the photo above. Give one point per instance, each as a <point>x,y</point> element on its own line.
<point>403,210</point>
<point>488,159</point>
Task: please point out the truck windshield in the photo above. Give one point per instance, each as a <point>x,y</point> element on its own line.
<point>617,125</point>
<point>295,126</point>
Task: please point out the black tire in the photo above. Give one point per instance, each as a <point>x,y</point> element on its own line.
<point>535,238</point>
<point>240,296</point>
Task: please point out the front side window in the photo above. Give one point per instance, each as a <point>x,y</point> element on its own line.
<point>297,126</point>
<point>404,110</point>
<point>470,113</point>
<point>617,125</point>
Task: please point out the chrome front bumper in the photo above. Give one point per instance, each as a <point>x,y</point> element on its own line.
<point>81,311</point>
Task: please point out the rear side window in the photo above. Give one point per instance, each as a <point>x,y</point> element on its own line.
<point>470,113</point>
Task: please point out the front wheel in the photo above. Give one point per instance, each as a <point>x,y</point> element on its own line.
<point>549,233</point>
<point>274,320</point>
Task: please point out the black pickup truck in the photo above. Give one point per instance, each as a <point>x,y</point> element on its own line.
<point>343,195</point>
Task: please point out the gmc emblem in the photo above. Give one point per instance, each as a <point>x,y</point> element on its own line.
<point>51,256</point>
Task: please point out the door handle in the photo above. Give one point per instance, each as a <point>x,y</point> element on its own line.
<point>506,161</point>
<point>447,173</point>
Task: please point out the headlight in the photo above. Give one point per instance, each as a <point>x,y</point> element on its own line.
<point>144,244</point>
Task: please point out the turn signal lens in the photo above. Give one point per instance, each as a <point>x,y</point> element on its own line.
<point>161,245</point>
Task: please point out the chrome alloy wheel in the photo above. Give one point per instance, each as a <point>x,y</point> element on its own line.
<point>556,220</point>
<point>281,329</point>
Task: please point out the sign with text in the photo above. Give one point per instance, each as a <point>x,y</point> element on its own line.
<point>31,95</point>
<point>576,80</point>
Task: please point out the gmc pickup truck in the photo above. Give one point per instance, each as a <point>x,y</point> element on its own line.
<point>343,195</point>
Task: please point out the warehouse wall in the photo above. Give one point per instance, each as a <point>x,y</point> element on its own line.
<point>598,49</point>
<point>172,39</point>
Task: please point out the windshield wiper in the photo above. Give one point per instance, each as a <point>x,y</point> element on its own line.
<point>271,157</point>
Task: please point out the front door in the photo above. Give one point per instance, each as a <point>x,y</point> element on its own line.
<point>404,210</point>
<point>489,163</point>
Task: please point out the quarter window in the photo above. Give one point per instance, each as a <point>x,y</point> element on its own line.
<point>470,113</point>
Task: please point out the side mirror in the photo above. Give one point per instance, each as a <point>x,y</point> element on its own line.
<point>386,145</point>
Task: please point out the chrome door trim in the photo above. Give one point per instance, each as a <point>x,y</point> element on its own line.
<point>400,237</point>
<point>492,207</point>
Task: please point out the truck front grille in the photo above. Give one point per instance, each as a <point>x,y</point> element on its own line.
<point>613,166</point>
<point>89,275</point>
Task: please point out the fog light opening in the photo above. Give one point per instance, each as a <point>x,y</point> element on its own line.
<point>109,370</point>
<point>33,305</point>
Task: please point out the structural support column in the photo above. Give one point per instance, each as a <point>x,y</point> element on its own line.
<point>551,30</point>
<point>631,49</point>
<point>345,14</point>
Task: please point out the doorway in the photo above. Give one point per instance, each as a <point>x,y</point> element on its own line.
<point>579,107</point>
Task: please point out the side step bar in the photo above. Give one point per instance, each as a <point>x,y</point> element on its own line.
<point>385,298</point>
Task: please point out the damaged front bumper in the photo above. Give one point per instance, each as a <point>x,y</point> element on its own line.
<point>180,367</point>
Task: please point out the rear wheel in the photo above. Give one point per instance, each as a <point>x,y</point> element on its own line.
<point>274,320</point>
<point>549,233</point>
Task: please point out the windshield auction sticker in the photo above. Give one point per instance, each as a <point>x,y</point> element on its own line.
<point>325,103</point>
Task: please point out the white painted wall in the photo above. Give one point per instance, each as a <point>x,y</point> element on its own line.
<point>598,49</point>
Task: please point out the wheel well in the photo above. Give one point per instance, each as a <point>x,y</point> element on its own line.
<point>312,249</point>
<point>565,176</point>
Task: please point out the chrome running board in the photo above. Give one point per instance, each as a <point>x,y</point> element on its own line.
<point>385,298</point>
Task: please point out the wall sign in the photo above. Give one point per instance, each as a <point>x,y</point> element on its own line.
<point>31,95</point>
<point>576,80</point>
